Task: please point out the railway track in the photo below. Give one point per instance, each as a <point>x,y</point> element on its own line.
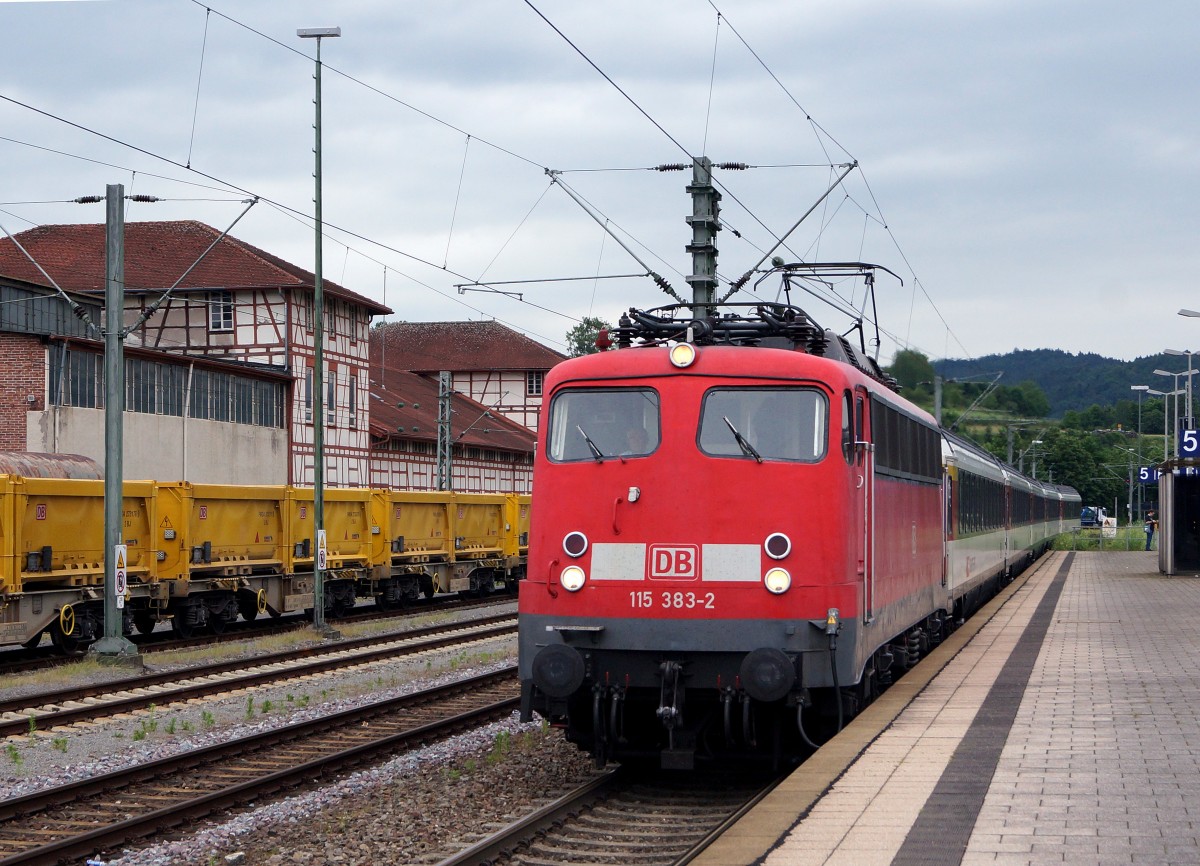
<point>70,705</point>
<point>42,657</point>
<point>621,818</point>
<point>97,815</point>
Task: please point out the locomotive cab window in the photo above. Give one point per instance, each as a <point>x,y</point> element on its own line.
<point>597,424</point>
<point>764,424</point>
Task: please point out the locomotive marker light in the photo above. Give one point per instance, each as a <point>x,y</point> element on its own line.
<point>777,545</point>
<point>572,578</point>
<point>575,544</point>
<point>777,580</point>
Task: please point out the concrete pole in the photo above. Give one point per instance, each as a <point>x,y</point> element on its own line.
<point>705,224</point>
<point>114,646</point>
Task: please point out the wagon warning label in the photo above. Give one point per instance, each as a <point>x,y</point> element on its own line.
<point>166,523</point>
<point>673,561</point>
<point>120,583</point>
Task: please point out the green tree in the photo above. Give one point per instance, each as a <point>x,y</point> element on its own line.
<point>910,368</point>
<point>581,340</point>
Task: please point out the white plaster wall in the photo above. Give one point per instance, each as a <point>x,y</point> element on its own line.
<point>167,447</point>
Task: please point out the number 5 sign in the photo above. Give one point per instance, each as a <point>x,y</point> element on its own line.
<point>1189,443</point>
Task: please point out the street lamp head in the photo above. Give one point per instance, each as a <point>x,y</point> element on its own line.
<point>318,32</point>
<point>1178,352</point>
<point>1190,313</point>
<point>1139,387</point>
<point>1164,373</point>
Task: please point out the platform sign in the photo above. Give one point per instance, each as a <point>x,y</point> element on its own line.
<point>321,549</point>
<point>122,580</point>
<point>1189,443</point>
<point>1149,474</point>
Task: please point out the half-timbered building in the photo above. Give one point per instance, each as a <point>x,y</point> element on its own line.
<point>488,362</point>
<point>238,304</point>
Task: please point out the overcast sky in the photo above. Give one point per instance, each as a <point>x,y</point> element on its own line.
<point>1029,170</point>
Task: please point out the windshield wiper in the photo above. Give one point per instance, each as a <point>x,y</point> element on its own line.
<point>746,447</point>
<point>588,439</point>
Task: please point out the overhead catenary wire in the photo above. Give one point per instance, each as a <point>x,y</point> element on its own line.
<point>720,16</point>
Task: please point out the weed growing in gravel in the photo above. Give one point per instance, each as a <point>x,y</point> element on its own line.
<point>291,699</point>
<point>60,743</point>
<point>119,735</point>
<point>470,766</point>
<point>250,707</point>
<point>266,707</point>
<point>304,700</point>
<point>150,723</point>
<point>208,719</point>
<point>187,725</point>
<point>500,748</point>
<point>139,735</point>
<point>171,727</point>
<point>14,755</point>
<point>32,725</point>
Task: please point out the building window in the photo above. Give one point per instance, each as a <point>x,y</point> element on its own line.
<point>353,399</point>
<point>220,311</point>
<point>533,383</point>
<point>331,396</point>
<point>308,393</point>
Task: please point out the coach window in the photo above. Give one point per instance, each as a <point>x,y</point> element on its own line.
<point>603,423</point>
<point>764,423</point>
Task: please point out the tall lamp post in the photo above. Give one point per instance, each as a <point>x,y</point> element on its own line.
<point>1176,392</point>
<point>318,33</point>
<point>1190,371</point>
<point>1139,389</point>
<point>1166,415</point>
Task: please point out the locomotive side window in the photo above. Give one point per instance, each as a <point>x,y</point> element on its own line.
<point>847,428</point>
<point>764,424</point>
<point>600,423</point>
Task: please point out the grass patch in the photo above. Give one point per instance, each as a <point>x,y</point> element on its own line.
<point>233,649</point>
<point>68,674</point>
<point>1092,538</point>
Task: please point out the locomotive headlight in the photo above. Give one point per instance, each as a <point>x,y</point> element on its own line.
<point>777,580</point>
<point>575,544</point>
<point>682,354</point>
<point>572,578</point>
<point>777,545</point>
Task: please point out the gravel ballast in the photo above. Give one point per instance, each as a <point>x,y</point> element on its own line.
<point>418,807</point>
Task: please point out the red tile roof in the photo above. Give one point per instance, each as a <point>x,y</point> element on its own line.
<point>417,418</point>
<point>156,254</point>
<point>457,346</point>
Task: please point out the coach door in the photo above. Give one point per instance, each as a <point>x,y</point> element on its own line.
<point>864,474</point>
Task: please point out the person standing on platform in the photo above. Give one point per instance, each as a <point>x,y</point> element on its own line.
<point>1151,525</point>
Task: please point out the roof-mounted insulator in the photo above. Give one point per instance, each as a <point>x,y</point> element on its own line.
<point>670,166</point>
<point>88,199</point>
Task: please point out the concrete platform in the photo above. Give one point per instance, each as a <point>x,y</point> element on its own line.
<point>1061,725</point>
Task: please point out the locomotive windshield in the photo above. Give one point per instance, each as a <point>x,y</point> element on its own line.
<point>764,424</point>
<point>595,424</point>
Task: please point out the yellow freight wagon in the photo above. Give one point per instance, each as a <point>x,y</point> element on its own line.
<point>52,552</point>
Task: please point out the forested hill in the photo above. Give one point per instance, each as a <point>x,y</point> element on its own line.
<point>1071,381</point>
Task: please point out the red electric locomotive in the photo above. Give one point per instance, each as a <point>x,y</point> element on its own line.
<point>737,527</point>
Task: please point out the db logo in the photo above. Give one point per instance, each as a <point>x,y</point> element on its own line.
<point>674,562</point>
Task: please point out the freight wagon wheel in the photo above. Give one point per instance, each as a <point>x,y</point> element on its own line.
<point>181,626</point>
<point>143,621</point>
<point>250,606</point>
